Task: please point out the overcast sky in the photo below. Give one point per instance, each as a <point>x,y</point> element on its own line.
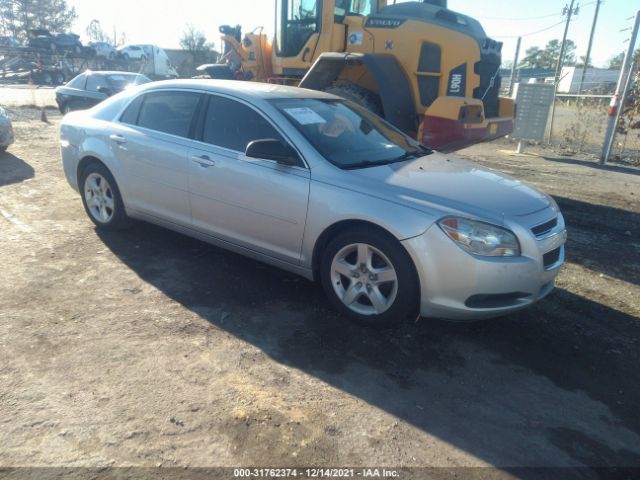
<point>161,23</point>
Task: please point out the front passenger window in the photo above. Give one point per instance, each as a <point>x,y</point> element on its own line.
<point>233,125</point>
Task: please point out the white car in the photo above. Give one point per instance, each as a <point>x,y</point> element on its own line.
<point>103,49</point>
<point>132,52</point>
<point>6,130</point>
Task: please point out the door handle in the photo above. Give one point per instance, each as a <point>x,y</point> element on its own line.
<point>203,160</point>
<point>118,138</point>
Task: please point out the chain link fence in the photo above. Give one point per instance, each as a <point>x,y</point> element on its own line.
<point>580,122</point>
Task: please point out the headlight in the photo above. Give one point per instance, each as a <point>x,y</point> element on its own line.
<point>480,238</point>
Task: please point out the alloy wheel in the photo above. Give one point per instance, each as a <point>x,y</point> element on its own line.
<point>99,197</point>
<point>364,279</point>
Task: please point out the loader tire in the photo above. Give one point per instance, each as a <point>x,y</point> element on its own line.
<point>359,95</point>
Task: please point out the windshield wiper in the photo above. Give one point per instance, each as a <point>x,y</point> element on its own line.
<point>366,163</point>
<point>421,151</point>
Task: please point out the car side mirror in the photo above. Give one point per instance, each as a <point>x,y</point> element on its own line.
<point>271,149</point>
<point>105,90</point>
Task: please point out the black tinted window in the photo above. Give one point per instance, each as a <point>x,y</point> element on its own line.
<point>95,81</point>
<point>168,112</point>
<point>233,125</point>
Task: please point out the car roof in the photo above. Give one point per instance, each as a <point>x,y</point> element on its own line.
<point>109,72</point>
<point>255,90</point>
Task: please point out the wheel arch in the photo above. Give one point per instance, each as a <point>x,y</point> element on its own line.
<point>84,162</point>
<point>342,226</point>
<point>390,78</point>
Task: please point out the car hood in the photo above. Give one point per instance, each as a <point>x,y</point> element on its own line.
<point>439,182</point>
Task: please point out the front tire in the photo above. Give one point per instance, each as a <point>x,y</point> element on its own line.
<point>370,278</point>
<point>101,198</point>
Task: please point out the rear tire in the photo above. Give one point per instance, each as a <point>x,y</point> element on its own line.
<point>101,198</point>
<point>370,278</point>
<point>358,95</point>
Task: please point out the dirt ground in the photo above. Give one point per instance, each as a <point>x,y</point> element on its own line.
<point>147,348</point>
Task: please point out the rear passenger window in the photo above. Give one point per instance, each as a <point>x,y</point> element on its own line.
<point>78,82</point>
<point>130,115</point>
<point>168,112</point>
<point>233,125</point>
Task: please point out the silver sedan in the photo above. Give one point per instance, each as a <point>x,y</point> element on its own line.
<point>319,186</point>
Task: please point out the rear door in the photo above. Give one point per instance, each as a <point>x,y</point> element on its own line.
<point>152,143</point>
<point>255,203</point>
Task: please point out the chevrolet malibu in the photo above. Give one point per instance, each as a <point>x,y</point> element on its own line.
<point>318,186</point>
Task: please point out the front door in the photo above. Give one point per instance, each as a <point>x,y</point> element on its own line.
<point>257,204</point>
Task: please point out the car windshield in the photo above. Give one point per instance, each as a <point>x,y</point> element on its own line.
<point>120,82</point>
<point>348,135</point>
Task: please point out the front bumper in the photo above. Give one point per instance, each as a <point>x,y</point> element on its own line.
<point>457,285</point>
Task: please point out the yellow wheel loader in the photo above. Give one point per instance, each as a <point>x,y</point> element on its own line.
<point>430,71</point>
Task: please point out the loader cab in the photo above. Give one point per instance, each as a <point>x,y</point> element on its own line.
<point>296,22</point>
<point>306,28</point>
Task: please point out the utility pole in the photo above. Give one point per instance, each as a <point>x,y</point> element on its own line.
<point>569,12</point>
<point>515,66</point>
<point>615,104</point>
<point>588,57</point>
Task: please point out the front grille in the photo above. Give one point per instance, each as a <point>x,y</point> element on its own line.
<point>488,68</point>
<point>551,257</point>
<point>546,227</point>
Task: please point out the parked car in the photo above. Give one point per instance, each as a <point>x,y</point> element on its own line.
<point>132,52</point>
<point>321,187</point>
<point>42,39</point>
<point>103,49</point>
<point>68,42</point>
<point>9,41</point>
<point>90,88</point>
<point>6,130</point>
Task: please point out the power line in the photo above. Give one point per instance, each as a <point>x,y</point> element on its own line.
<point>518,18</point>
<point>531,18</point>
<point>530,33</point>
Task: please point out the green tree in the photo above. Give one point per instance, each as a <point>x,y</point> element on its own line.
<point>547,58</point>
<point>580,62</point>
<point>17,17</point>
<point>615,62</point>
<point>194,40</point>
